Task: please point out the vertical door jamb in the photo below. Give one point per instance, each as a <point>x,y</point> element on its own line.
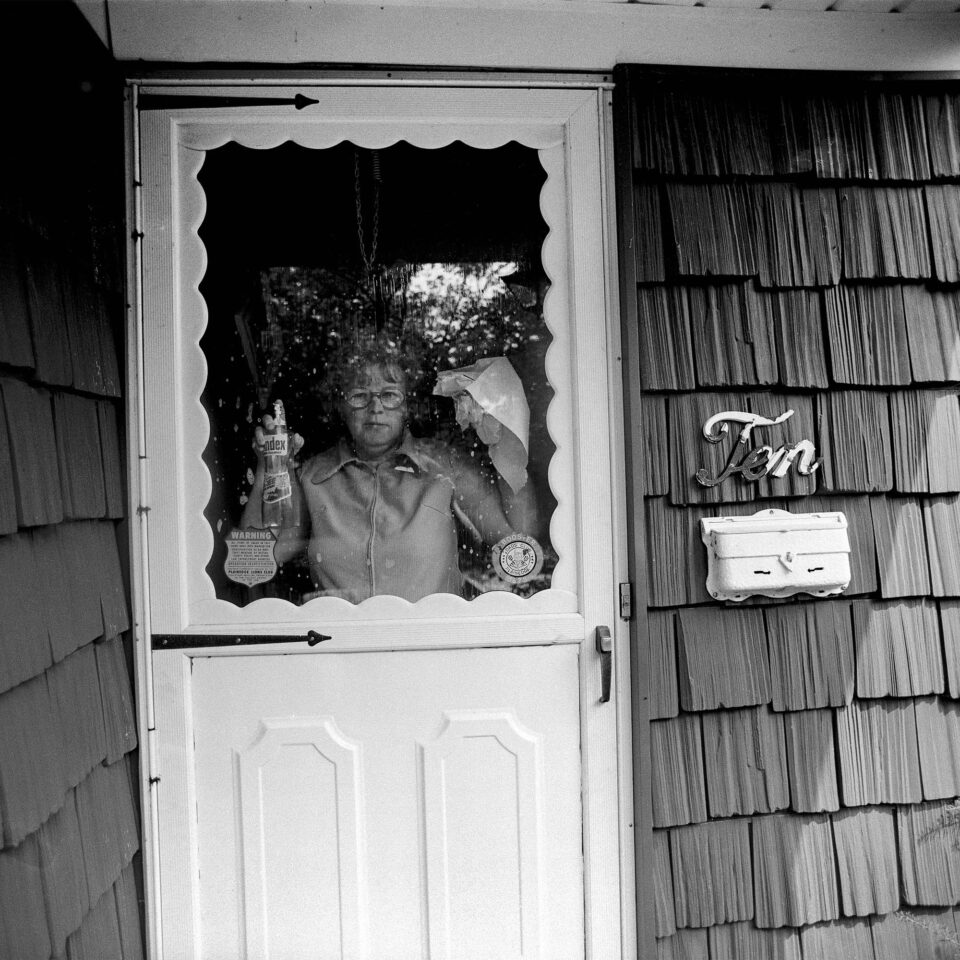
<point>149,779</point>
<point>623,684</point>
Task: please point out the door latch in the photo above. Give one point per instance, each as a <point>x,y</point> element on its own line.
<point>605,649</point>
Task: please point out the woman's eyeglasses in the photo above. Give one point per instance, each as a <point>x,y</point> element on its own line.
<point>389,399</point>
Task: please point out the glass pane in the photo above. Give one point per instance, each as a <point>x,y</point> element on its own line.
<point>376,389</point>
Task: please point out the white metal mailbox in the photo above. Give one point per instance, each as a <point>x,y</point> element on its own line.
<point>775,553</point>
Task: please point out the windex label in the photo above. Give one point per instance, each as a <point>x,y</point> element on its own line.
<point>275,445</point>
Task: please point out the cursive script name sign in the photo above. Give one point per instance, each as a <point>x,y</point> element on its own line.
<point>761,461</point>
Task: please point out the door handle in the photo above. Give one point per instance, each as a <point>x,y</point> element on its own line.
<point>605,649</point>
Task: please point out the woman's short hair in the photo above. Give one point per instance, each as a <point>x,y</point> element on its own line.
<point>354,368</point>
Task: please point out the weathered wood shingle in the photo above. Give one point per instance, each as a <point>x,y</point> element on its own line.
<point>900,136</point>
<point>866,861</point>
<point>723,658</point>
<point>77,427</point>
<point>24,645</point>
<point>885,233</point>
<point>113,480</point>
<point>950,626</point>
<point>811,655</point>
<point>115,615</point>
<point>713,228</point>
<point>666,344</point>
<point>798,334</point>
<point>855,442</point>
<point>649,251</point>
<point>933,333</point>
<point>941,524</point>
<point>811,761</point>
<point>712,874</point>
<point>99,933</point>
<point>867,333</point>
<point>661,633</point>
<point>798,235</point>
<point>33,452</point>
<point>33,768</point>
<point>793,866</point>
<point>790,133</point>
<point>116,697</point>
<point>666,553</point>
<point>745,762</point>
<point>84,580</point>
<point>877,748</point>
<point>62,873</point>
<point>744,941</point>
<point>62,608</point>
<point>48,321</point>
<point>8,493</point>
<point>732,336</point>
<point>901,547</point>
<point>925,424</point>
<point>849,939</point>
<point>676,756</point>
<point>664,915</point>
<point>942,109</point>
<point>74,687</point>
<point>943,210</point>
<point>23,923</point>
<point>897,648</point>
<point>938,733</point>
<point>841,136</point>
<point>656,463</point>
<point>128,914</point>
<point>684,945</point>
<point>16,346</point>
<point>921,933</point>
<point>929,855</point>
<point>108,826</point>
<point>697,132</point>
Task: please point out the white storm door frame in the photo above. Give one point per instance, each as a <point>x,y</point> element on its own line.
<point>570,125</point>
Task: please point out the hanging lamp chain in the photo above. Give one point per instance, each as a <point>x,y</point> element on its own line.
<point>368,259</point>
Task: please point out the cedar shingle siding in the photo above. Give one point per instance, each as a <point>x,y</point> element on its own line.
<point>799,247</point>
<point>69,823</point>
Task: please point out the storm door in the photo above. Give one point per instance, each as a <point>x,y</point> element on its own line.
<point>379,568</point>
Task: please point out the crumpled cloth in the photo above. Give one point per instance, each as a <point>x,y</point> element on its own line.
<point>489,397</point>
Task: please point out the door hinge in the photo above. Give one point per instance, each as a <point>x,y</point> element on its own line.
<point>153,757</point>
<point>159,101</point>
<point>626,601</point>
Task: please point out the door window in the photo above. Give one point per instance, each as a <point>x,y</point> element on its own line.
<point>375,389</point>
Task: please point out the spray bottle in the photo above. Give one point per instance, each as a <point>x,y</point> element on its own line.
<point>276,477</point>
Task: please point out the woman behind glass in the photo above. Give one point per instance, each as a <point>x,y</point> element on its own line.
<point>376,512</point>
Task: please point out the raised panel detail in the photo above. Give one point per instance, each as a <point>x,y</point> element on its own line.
<point>482,790</point>
<point>302,841</point>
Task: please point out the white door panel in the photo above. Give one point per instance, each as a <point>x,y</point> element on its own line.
<point>299,812</point>
<point>417,804</point>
